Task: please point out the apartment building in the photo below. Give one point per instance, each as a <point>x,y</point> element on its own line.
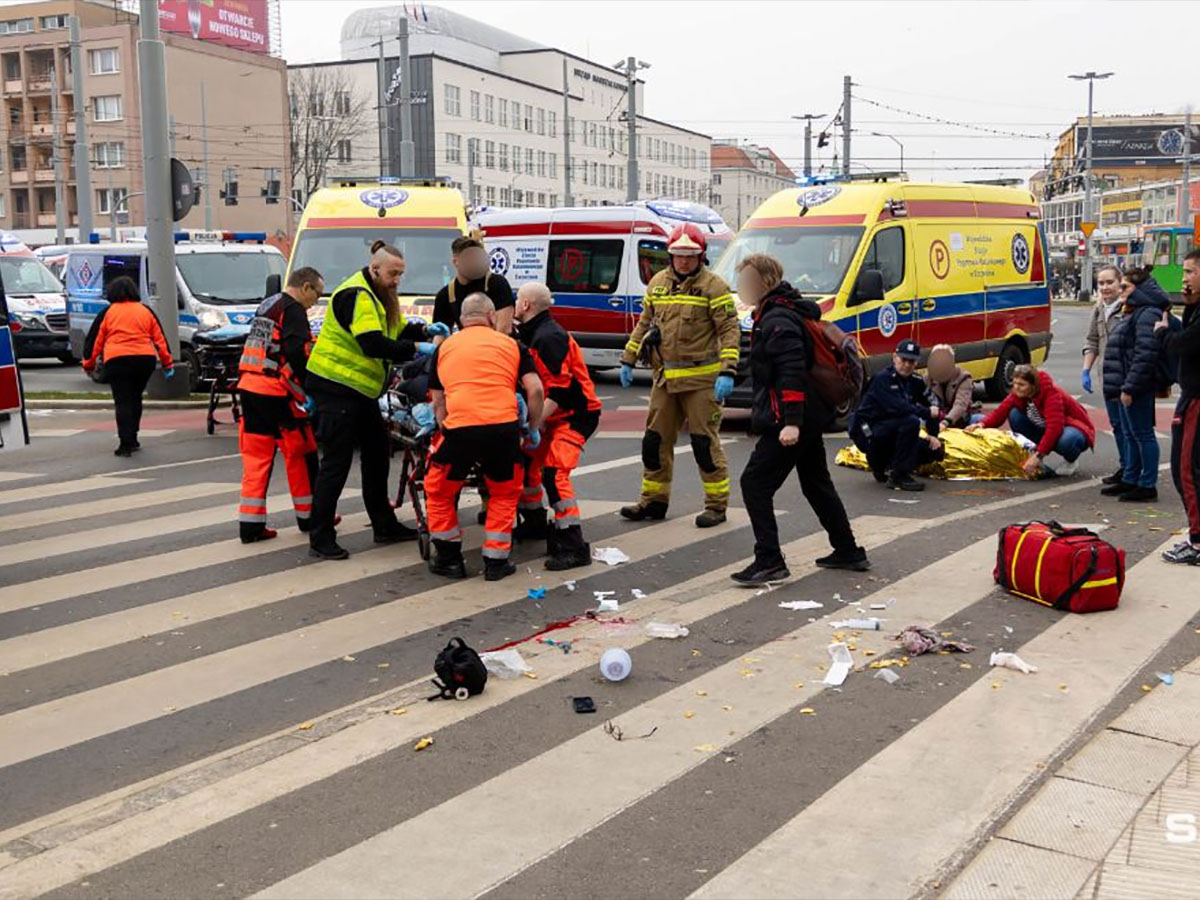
<point>743,176</point>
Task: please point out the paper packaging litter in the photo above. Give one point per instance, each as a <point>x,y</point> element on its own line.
<point>505,663</point>
<point>887,675</point>
<point>570,585</point>
<point>608,604</point>
<point>917,640</point>
<point>612,556</point>
<point>638,594</point>
<point>840,664</point>
<point>1012,661</point>
<point>665,630</point>
<point>871,624</point>
<point>801,604</point>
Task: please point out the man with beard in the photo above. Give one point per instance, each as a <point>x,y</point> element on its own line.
<point>363,333</point>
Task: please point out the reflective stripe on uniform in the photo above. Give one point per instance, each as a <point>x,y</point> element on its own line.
<point>679,300</point>
<point>251,517</point>
<point>731,353</point>
<point>495,553</point>
<point>651,487</point>
<point>455,535</point>
<point>502,537</point>
<point>687,370</point>
<point>723,300</point>
<point>716,488</point>
<point>633,347</point>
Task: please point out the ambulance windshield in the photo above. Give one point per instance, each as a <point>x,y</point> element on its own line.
<point>26,275</point>
<point>814,258</point>
<point>337,253</point>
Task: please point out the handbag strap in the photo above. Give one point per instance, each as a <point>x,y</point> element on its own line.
<point>1064,599</point>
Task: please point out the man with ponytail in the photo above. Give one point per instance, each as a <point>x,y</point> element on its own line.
<point>363,334</point>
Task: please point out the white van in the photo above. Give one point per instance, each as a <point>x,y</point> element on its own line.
<point>220,278</point>
<point>597,261</point>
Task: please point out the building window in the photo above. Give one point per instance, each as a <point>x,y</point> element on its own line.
<point>595,167</point>
<point>516,159</point>
<point>472,151</point>
<point>604,176</point>
<point>49,22</point>
<point>716,199</point>
<point>541,198</point>
<point>109,155</point>
<point>528,160</point>
<point>553,123</point>
<point>107,200</point>
<point>474,106</point>
<point>503,156</point>
<point>490,193</point>
<point>104,62</point>
<point>489,109</point>
<point>516,116</point>
<point>502,119</point>
<point>553,167</point>
<point>341,103</point>
<point>716,178</point>
<point>3,210</point>
<point>505,196</point>
<point>621,177</point>
<point>518,197</point>
<point>108,108</point>
<point>584,266</point>
<point>453,104</point>
<point>541,158</point>
<point>453,148</point>
<point>343,151</point>
<point>529,118</point>
<point>553,200</point>
<point>489,154</point>
<point>16,26</point>
<point>541,121</point>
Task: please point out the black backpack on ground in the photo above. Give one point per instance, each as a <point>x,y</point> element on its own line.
<point>460,672</point>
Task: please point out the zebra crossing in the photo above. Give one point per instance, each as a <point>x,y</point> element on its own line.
<point>185,715</point>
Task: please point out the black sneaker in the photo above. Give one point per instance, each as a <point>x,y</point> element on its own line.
<point>495,569</point>
<point>1140,495</point>
<point>655,510</point>
<point>1116,477</point>
<point>1185,554</point>
<point>760,574</point>
<point>396,534</point>
<point>570,559</point>
<point>855,560</point>
<point>1116,490</point>
<point>710,518</point>
<point>451,567</point>
<point>880,475</point>
<point>904,483</point>
<point>329,551</point>
<point>123,451</point>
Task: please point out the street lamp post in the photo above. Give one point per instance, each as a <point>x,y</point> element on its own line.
<point>1085,279</point>
<point>808,117</point>
<point>894,139</point>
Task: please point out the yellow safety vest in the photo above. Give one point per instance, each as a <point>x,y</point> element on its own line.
<point>337,355</point>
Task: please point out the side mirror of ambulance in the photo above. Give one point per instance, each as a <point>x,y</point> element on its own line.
<point>868,287</point>
<point>274,285</point>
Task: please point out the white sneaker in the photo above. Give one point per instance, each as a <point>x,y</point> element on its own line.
<point>1066,469</point>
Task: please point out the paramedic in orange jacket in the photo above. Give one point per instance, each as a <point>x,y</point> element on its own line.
<point>474,378</point>
<point>128,337</point>
<point>274,405</point>
<point>571,414</point>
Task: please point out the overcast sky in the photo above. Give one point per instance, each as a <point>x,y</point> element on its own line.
<point>742,68</point>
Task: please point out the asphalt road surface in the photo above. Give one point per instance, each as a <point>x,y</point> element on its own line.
<point>185,716</point>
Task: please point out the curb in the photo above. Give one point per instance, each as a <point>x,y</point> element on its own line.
<point>108,404</point>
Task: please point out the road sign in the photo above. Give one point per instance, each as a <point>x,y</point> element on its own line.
<point>1087,228</point>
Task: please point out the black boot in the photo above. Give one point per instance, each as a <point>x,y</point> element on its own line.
<point>531,525</point>
<point>568,550</point>
<point>447,560</point>
<point>495,569</point>
<point>1116,477</point>
<point>710,517</point>
<point>639,512</point>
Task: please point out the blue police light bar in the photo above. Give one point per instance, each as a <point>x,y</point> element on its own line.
<point>216,237</point>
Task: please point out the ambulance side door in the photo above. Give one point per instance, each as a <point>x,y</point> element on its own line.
<point>884,323</point>
<point>952,279</point>
<point>650,259</point>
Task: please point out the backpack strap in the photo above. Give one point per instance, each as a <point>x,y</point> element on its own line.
<point>1064,599</point>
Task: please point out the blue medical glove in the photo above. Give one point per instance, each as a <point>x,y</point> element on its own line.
<point>169,373</point>
<point>1087,380</point>
<point>310,405</point>
<point>437,329</point>
<point>626,375</point>
<point>723,388</point>
<point>531,440</point>
<point>424,348</point>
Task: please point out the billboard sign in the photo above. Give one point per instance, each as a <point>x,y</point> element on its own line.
<point>241,24</point>
<point>1133,145</point>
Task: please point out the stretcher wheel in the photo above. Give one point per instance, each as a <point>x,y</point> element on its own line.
<point>461,693</point>
<point>423,543</point>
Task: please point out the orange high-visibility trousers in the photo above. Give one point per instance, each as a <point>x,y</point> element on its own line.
<point>269,425</point>
<point>549,467</point>
<point>449,467</point>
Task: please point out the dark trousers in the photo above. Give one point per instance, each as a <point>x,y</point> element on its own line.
<point>895,444</point>
<point>127,376</point>
<point>346,422</point>
<point>1185,460</point>
<point>767,470</point>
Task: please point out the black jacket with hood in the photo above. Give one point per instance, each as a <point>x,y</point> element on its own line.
<point>779,363</point>
<point>1131,357</point>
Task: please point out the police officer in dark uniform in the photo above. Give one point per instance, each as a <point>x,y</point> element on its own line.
<point>887,424</point>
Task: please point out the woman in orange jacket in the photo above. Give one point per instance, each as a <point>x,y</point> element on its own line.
<point>128,337</point>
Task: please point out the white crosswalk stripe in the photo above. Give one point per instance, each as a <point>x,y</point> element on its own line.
<point>988,737</point>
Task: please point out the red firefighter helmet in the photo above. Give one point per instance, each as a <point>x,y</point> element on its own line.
<point>687,240</point>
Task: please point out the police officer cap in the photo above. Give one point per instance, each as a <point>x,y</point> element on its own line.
<point>908,350</point>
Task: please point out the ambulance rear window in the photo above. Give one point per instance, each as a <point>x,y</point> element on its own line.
<point>581,266</point>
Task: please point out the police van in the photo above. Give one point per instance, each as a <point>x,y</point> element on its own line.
<point>421,218</point>
<point>596,260</point>
<point>36,301</point>
<point>220,279</point>
<point>960,264</point>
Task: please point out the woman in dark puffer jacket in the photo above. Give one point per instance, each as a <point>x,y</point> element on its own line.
<point>1131,376</point>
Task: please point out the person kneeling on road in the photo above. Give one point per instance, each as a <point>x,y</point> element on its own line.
<point>790,419</point>
<point>952,390</point>
<point>571,414</point>
<point>474,377</point>
<point>887,424</point>
<point>362,333</point>
<point>1041,411</point>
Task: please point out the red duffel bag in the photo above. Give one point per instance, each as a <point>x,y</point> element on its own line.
<point>1066,568</point>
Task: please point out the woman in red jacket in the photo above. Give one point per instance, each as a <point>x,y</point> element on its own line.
<point>1040,410</point>
<point>128,337</point>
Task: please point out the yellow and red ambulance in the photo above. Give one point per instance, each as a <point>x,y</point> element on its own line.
<point>961,264</point>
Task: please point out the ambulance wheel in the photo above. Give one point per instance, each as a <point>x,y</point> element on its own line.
<point>423,543</point>
<point>461,693</point>
<point>1000,384</point>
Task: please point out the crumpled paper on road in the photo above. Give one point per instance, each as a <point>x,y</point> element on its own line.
<point>989,454</point>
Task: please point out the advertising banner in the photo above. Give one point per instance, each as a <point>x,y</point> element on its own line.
<point>1133,145</point>
<point>241,24</point>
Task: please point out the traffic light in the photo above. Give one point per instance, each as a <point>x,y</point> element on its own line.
<point>271,191</point>
<point>230,192</point>
<point>823,139</point>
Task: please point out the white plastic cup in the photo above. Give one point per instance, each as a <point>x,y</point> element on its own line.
<point>615,664</point>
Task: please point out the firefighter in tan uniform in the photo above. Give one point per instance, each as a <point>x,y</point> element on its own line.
<point>689,334</point>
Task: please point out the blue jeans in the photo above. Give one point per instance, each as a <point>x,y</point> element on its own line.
<point>1071,443</point>
<point>1115,419</point>
<point>1141,444</point>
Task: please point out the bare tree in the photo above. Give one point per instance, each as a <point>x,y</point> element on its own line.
<point>326,109</point>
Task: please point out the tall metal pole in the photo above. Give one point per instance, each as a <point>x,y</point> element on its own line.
<point>846,85</point>
<point>83,183</point>
<point>408,154</point>
<point>112,207</point>
<point>807,117</point>
<point>160,239</point>
<point>208,209</point>
<point>1185,200</point>
<point>568,200</point>
<point>381,90</point>
<point>631,176</point>
<point>59,188</point>
<point>1085,281</point>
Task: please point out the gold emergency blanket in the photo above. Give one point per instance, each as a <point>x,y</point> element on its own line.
<point>988,454</point>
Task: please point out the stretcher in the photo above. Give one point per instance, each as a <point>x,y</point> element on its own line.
<point>218,353</point>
